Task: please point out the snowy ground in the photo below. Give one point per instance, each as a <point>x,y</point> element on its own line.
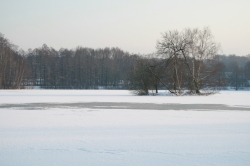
<point>105,127</point>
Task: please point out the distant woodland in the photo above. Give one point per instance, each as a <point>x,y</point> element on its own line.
<point>172,67</point>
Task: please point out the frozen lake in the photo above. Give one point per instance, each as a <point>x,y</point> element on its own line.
<point>103,127</point>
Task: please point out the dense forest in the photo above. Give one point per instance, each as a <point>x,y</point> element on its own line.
<point>113,68</point>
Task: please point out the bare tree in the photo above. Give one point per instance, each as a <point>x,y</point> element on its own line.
<point>193,48</point>
<point>170,48</point>
<point>141,78</point>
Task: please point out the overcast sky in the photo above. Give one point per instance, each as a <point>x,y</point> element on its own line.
<point>132,25</point>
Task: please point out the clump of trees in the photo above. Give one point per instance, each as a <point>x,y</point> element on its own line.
<point>188,59</point>
<point>188,62</point>
<point>190,53</point>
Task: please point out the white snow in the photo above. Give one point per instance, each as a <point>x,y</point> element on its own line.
<point>97,137</point>
<point>232,98</point>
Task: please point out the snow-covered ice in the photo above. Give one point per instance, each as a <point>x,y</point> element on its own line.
<point>71,96</point>
<point>112,135</point>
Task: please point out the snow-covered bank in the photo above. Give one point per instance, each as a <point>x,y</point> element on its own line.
<point>232,98</point>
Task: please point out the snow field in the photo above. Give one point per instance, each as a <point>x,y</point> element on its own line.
<point>231,98</point>
<point>85,136</point>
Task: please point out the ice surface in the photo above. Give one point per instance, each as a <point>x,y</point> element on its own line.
<point>117,136</point>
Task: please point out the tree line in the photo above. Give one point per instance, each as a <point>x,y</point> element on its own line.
<point>12,65</point>
<point>80,68</point>
<point>184,61</point>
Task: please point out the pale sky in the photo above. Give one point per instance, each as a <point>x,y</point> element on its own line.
<point>132,25</point>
